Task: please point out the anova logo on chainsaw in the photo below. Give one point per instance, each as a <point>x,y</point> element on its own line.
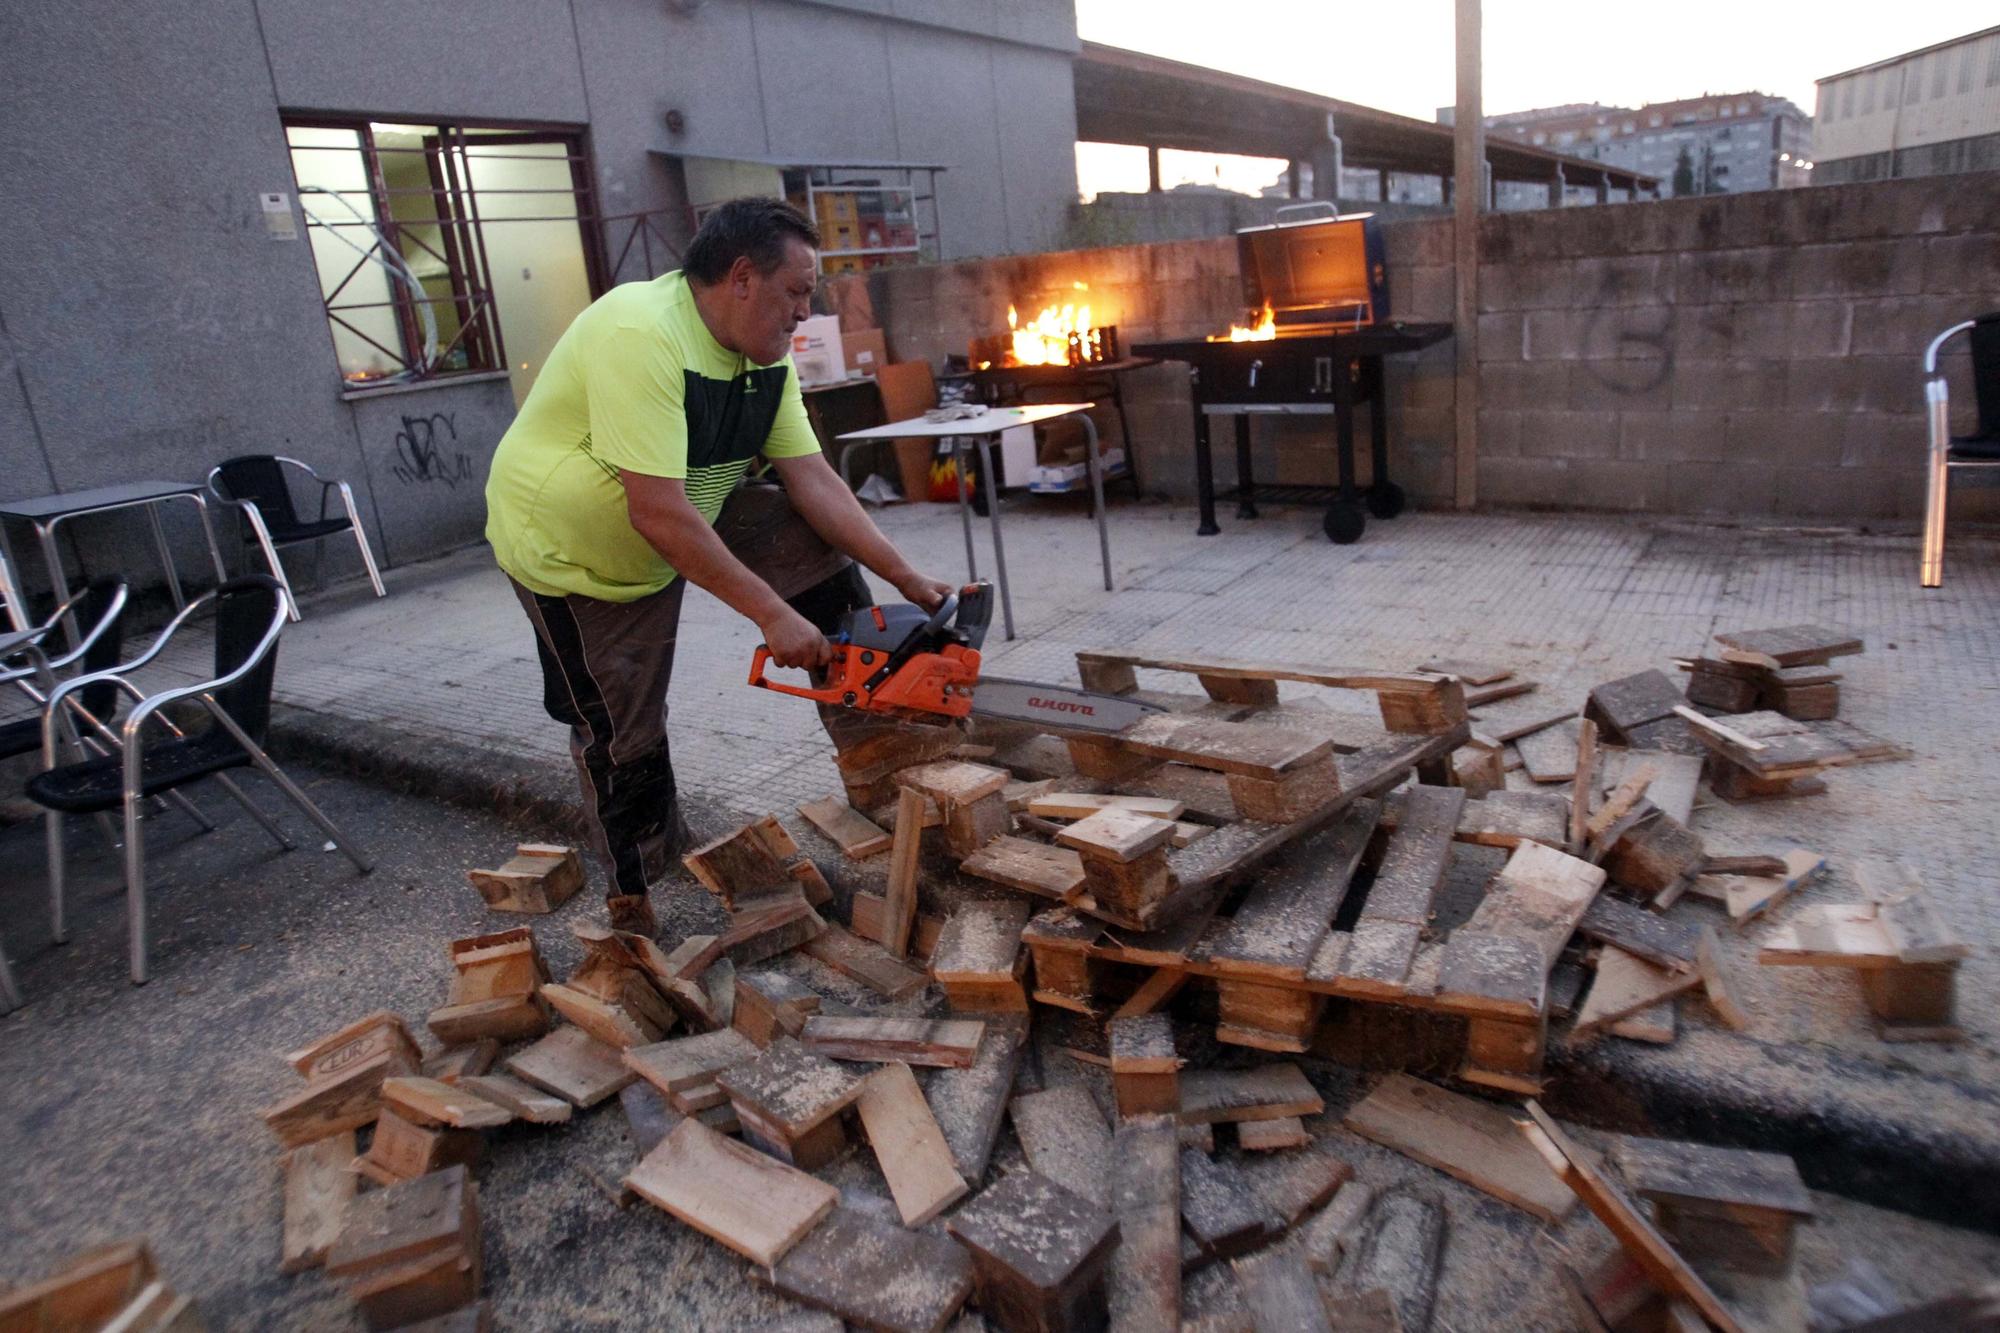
<point>1061,706</point>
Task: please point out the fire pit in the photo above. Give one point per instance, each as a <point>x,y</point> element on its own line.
<point>1317,303</point>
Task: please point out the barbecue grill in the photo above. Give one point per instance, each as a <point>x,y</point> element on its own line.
<point>1321,290</point>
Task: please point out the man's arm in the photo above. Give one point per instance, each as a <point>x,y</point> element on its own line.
<point>661,513</point>
<point>822,499</point>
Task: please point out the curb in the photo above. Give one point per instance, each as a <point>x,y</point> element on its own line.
<point>1834,1114</point>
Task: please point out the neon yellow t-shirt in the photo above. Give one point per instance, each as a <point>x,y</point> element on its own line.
<point>637,382</point>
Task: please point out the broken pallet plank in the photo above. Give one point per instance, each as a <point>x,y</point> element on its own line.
<point>730,1192</point>
<point>970,1103</point>
<point>1279,925</point>
<point>875,1275</point>
<point>573,1065</point>
<point>1145,1277</point>
<point>1032,867</point>
<point>909,1147</point>
<point>857,836</point>
<point>935,1043</point>
<point>1413,863</point>
<point>1472,1140</point>
<point>1064,1137</point>
<point>866,963</point>
<point>1268,1092</point>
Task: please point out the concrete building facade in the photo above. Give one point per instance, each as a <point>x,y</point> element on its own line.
<point>164,289</point>
<point>1923,113</point>
<point>1719,143</point>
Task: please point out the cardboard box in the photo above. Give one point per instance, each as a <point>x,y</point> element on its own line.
<point>1073,476</point>
<point>866,350</point>
<point>816,353</point>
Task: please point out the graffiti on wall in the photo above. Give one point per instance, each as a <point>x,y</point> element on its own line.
<point>426,451</point>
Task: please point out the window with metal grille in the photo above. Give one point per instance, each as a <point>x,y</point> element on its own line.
<point>424,235</point>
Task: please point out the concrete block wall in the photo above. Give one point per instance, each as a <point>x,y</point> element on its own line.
<point>1747,355</point>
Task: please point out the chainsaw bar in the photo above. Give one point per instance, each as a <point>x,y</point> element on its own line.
<point>1057,705</point>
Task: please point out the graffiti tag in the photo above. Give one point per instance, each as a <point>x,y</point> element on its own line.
<point>421,452</point>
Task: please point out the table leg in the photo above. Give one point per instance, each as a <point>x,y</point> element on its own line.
<point>1204,474</point>
<point>166,556</point>
<point>1125,435</point>
<point>1246,482</point>
<point>993,517</point>
<point>208,531</point>
<point>11,590</point>
<point>45,533</point>
<point>964,510</point>
<point>1378,422</point>
<point>1095,468</point>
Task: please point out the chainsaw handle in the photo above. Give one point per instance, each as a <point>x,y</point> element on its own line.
<point>761,659</point>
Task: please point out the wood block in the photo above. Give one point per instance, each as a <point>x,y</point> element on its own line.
<point>1646,1246</point>
<point>1913,1001</point>
<point>1279,1018</point>
<point>504,1018</point>
<point>1145,1070</point>
<point>970,1103</point>
<point>345,1100</point>
<point>1505,1053</point>
<point>695,1100</point>
<point>954,782</point>
<point>1472,1140</point>
<point>613,1024</point>
<point>1065,979</point>
<point>1117,835</point>
<point>1133,894</point>
<point>1081,805</point>
<point>1654,854</point>
<point>1032,867</point>
<point>1145,1274</point>
<point>453,1063</point>
<point>529,1103</point>
<point>866,963</point>
<point>970,826</point>
<point>1787,646</point>
<point>865,920</point>
<point>1726,693</point>
<point>355,1044</point>
<point>731,1193</point>
<point>1280,1292</point>
<point>744,862</point>
<point>1272,1135</point>
<point>1268,1092</point>
<point>755,933</point>
<point>1399,1251</point>
<point>1291,796</point>
<point>1279,925</point>
<point>857,836</point>
<point>426,1101</point>
<point>1627,985</point>
<point>573,1065</point>
<point>1064,1136</point>
<point>1808,703</point>
<point>790,1089</point>
<point>981,946</point>
<point>84,1293</point>
<point>1104,760</point>
<point>1039,1254</point>
<point>770,1005</point>
<point>690,1062</point>
<point>909,1146</point>
<point>1478,770</point>
<point>426,1216</point>
<point>876,1275</point>
<point>539,879</point>
<point>1622,706</point>
<point>1221,1212</point>
<point>404,1148</point>
<point>398,1295</point>
<point>318,1186</point>
<point>934,1043</point>
<point>1700,1175</point>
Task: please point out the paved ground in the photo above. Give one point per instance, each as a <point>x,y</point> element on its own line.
<point>130,1111</point>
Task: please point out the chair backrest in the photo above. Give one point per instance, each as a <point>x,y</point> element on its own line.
<point>1986,372</point>
<point>260,479</point>
<point>244,610</point>
<point>908,389</point>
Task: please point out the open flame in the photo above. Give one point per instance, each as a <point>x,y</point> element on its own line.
<point>1045,339</point>
<point>1264,330</point>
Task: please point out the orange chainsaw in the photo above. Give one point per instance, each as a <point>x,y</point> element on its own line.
<point>924,665</point>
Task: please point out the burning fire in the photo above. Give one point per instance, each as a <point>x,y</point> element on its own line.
<point>1265,330</point>
<point>1044,340</point>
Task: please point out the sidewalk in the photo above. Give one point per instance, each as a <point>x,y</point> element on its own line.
<point>446,664</point>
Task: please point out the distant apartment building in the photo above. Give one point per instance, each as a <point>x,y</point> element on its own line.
<point>1924,113</point>
<point>1712,144</point>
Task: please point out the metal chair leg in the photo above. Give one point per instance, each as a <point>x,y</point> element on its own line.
<point>52,832</point>
<point>135,888</point>
<point>263,535</point>
<point>1937,489</point>
<point>304,802</point>
<point>361,539</point>
<point>256,813</point>
<point>10,994</point>
<point>190,809</point>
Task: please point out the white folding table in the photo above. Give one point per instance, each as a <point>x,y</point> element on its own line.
<point>983,430</point>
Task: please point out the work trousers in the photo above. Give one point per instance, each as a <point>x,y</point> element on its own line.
<point>606,667</point>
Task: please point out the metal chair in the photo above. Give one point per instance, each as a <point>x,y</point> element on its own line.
<point>249,616</point>
<point>1978,452</point>
<point>255,484</point>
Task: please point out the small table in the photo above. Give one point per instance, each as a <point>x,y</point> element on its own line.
<point>48,512</point>
<point>1093,379</point>
<point>984,429</point>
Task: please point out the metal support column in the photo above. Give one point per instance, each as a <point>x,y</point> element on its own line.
<point>1468,162</point>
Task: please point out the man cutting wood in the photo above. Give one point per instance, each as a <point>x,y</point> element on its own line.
<point>625,475</point>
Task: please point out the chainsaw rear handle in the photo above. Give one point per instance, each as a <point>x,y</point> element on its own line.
<point>762,658</point>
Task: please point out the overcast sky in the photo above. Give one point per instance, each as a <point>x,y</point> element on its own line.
<point>1397,54</point>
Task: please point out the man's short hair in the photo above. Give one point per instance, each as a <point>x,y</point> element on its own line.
<point>756,227</point>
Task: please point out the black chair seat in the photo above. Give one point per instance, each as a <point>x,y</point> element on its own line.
<point>1975,448</point>
<point>97,784</point>
<point>306,532</point>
